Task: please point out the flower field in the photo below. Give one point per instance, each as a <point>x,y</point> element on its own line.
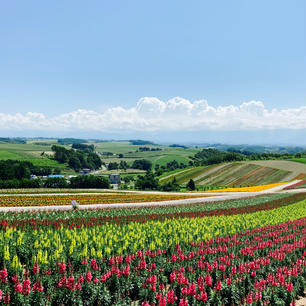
<point>301,184</point>
<point>52,200</point>
<point>52,190</point>
<point>248,189</point>
<point>243,252</point>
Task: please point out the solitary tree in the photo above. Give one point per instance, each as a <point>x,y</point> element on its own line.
<point>191,185</point>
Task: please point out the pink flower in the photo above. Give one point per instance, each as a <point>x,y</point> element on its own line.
<point>88,276</point>
<point>35,268</point>
<point>183,302</point>
<point>172,277</point>
<point>162,301</point>
<point>208,280</point>
<point>250,298</point>
<point>290,287</point>
<point>38,287</point>
<point>3,275</point>
<point>26,286</point>
<point>171,298</point>
<point>219,285</point>
<point>18,288</point>
<point>126,270</point>
<point>94,264</point>
<point>62,268</point>
<point>204,296</point>
<point>128,259</point>
<point>81,279</point>
<point>7,298</point>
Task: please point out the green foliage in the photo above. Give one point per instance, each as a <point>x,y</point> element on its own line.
<point>191,185</point>
<point>170,186</point>
<point>77,159</point>
<point>23,183</point>
<point>83,147</point>
<point>89,181</point>
<point>113,166</point>
<point>148,181</point>
<point>68,141</point>
<point>13,169</point>
<point>142,164</point>
<point>141,142</point>
<point>55,182</point>
<point>214,156</point>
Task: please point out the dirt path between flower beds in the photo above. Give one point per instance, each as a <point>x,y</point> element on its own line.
<point>301,301</point>
<point>135,204</point>
<point>214,197</point>
<point>274,189</point>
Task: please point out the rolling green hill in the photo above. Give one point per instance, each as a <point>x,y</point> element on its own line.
<point>29,152</point>
<point>239,173</point>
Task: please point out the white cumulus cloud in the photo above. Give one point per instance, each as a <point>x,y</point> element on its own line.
<point>153,114</point>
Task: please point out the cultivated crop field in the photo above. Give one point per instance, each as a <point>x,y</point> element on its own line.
<point>28,152</point>
<point>108,198</point>
<point>236,252</point>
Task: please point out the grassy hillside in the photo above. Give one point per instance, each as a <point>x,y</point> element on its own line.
<point>237,173</point>
<point>185,175</point>
<point>299,160</point>
<point>29,152</point>
<point>131,152</point>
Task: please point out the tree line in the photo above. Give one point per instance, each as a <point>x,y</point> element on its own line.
<point>82,157</point>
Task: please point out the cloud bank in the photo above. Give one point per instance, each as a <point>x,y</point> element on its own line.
<point>151,114</point>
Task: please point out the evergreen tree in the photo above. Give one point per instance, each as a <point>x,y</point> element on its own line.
<point>191,185</point>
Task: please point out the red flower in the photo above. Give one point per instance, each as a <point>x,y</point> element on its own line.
<point>219,285</point>
<point>162,301</point>
<point>88,276</point>
<point>290,287</point>
<point>18,288</point>
<point>208,280</point>
<point>35,268</point>
<point>126,270</point>
<point>38,287</point>
<point>171,298</point>
<point>26,286</point>
<point>172,277</point>
<point>204,296</point>
<point>62,268</point>
<point>183,302</point>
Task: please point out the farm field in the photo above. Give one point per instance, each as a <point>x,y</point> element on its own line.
<point>240,173</point>
<point>33,149</point>
<point>185,175</point>
<point>248,189</point>
<point>286,165</point>
<point>299,160</point>
<point>51,191</point>
<point>224,253</point>
<point>28,152</point>
<point>301,184</point>
<point>108,198</point>
<point>128,150</point>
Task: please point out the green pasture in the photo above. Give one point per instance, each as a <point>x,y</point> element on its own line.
<point>299,160</point>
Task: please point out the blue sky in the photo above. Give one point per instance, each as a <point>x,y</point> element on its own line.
<point>57,57</point>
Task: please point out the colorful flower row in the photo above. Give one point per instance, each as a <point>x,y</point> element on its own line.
<point>300,184</point>
<point>261,266</point>
<point>248,189</point>
<point>53,200</point>
<point>138,214</point>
